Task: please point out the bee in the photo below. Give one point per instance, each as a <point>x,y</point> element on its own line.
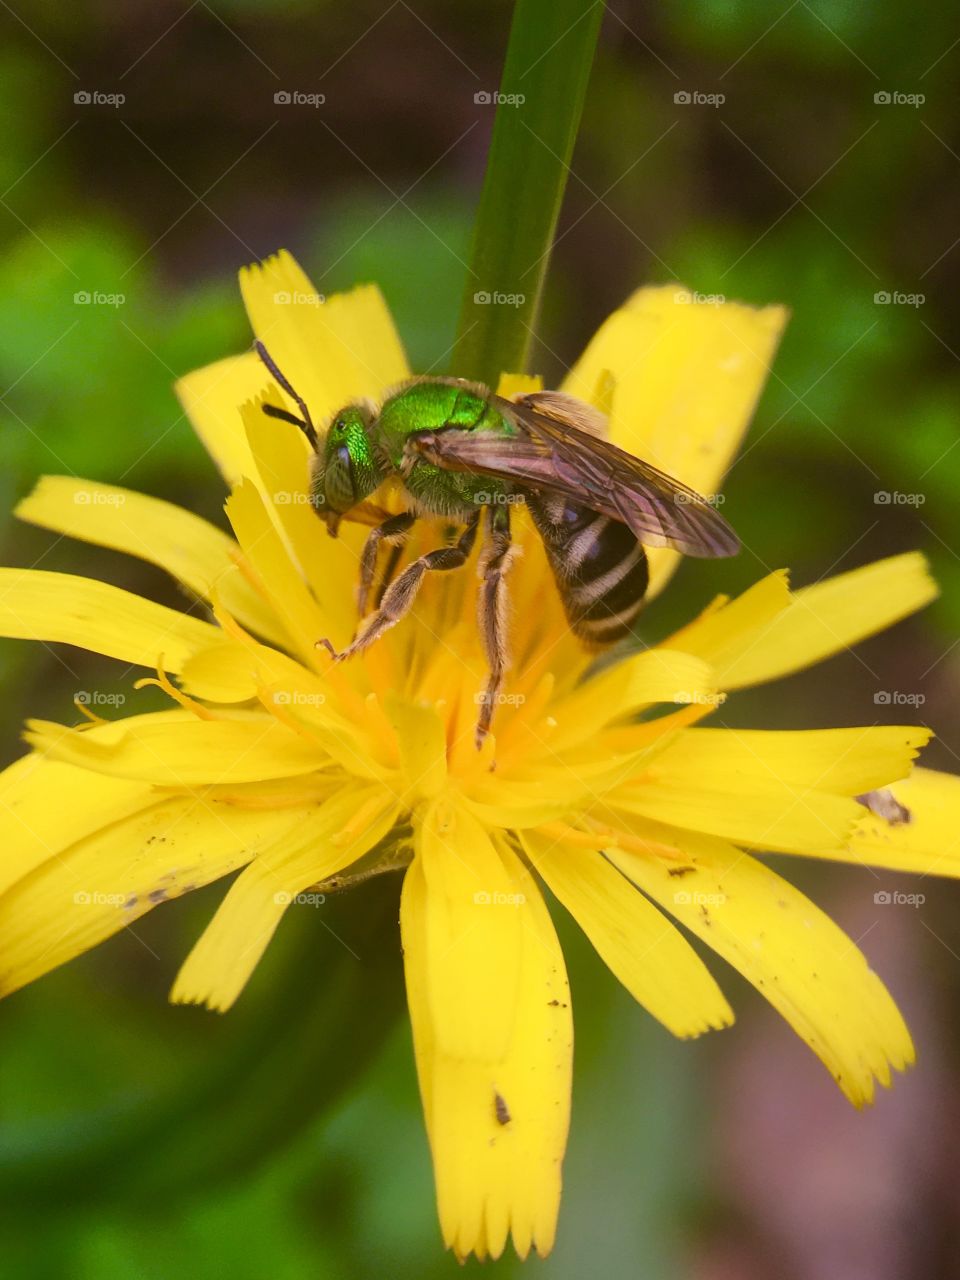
<point>463,453</point>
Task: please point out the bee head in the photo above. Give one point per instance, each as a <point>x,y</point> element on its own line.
<point>348,469</point>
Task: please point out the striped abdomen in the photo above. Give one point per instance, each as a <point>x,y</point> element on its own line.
<point>600,568</point>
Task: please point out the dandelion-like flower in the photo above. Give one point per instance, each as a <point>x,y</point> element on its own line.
<point>278,763</point>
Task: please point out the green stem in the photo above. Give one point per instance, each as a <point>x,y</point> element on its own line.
<point>550,53</point>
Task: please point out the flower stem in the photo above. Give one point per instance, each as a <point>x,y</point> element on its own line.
<point>538,111</point>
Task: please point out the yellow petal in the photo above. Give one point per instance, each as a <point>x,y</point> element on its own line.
<point>108,879</point>
<point>331,350</point>
<point>497,1124</point>
<point>211,399</point>
<point>32,829</point>
<point>807,967</point>
<point>330,566</point>
<point>772,807</point>
<point>682,378</point>
<point>637,943</point>
<point>727,627</point>
<point>285,589</point>
<point>181,753</point>
<point>65,609</point>
<point>473,933</point>
<point>655,675</point>
<point>827,617</point>
<point>220,673</point>
<point>195,552</point>
<point>518,384</point>
<point>325,840</point>
<point>844,761</point>
<point>926,839</point>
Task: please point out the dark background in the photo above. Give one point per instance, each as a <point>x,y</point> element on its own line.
<point>731,1158</point>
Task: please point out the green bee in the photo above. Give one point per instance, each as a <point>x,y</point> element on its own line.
<point>465,454</point>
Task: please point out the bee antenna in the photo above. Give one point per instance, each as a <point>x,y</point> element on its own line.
<point>306,422</point>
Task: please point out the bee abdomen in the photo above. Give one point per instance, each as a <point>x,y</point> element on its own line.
<point>600,568</point>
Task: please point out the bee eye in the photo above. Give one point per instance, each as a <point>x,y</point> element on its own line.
<point>340,424</point>
<point>343,454</point>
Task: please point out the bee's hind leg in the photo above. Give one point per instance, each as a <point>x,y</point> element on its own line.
<point>494,563</point>
<point>394,533</point>
<point>400,594</point>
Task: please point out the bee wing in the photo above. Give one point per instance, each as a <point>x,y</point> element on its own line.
<point>555,454</point>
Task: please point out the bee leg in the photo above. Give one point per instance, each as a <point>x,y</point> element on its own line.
<point>492,607</point>
<point>393,531</point>
<point>396,551</point>
<point>400,595</point>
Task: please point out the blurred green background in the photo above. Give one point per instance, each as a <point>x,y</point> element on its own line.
<point>819,180</point>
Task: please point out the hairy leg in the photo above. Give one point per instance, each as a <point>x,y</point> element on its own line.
<point>393,532</point>
<point>494,563</point>
<point>400,595</point>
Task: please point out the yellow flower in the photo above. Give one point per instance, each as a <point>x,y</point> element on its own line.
<point>274,760</point>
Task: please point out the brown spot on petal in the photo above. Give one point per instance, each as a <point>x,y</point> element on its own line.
<point>501,1110</point>
<point>885,805</point>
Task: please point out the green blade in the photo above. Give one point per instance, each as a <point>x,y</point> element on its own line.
<point>551,49</point>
